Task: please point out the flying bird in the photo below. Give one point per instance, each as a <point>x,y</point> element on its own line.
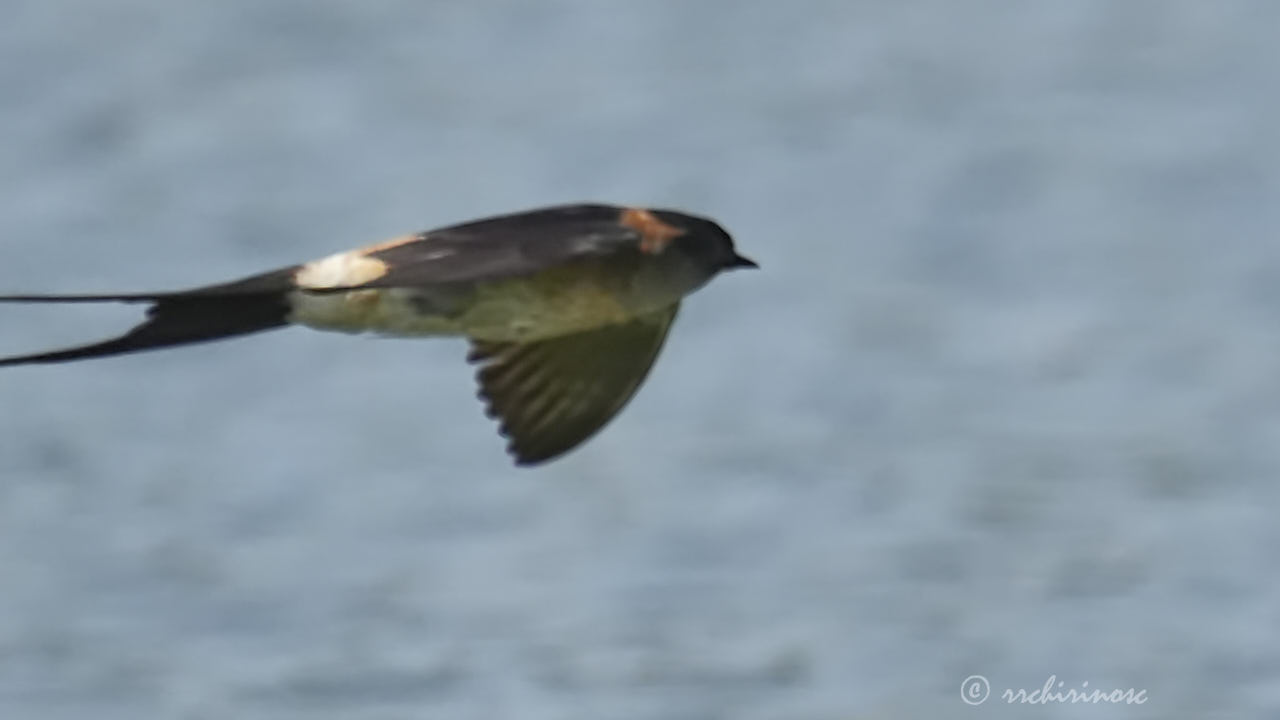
<point>565,307</point>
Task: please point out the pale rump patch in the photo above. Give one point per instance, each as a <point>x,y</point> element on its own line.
<point>654,234</point>
<point>346,269</point>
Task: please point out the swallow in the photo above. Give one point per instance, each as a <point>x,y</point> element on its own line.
<point>565,307</point>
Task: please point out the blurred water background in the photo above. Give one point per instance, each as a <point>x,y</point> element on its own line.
<point>1004,399</point>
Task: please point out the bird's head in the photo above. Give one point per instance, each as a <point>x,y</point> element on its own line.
<point>705,242</point>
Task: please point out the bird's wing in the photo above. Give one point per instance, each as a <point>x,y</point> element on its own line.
<point>551,395</point>
<point>499,247</point>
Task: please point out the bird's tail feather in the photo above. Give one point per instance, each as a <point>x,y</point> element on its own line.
<point>173,319</point>
<point>142,297</point>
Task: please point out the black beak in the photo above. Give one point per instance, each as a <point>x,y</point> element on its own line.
<point>740,262</point>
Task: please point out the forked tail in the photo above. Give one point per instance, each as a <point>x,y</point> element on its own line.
<point>173,319</point>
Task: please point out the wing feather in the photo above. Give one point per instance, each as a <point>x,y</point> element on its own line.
<point>551,395</point>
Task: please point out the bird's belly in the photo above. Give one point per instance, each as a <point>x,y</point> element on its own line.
<point>388,311</point>
<point>511,310</point>
<point>539,307</point>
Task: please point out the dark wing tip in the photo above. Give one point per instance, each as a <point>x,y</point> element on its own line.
<point>532,458</point>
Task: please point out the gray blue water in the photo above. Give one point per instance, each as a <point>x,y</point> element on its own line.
<point>1003,401</point>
